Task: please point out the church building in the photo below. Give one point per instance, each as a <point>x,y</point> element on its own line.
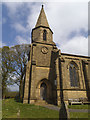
<point>51,75</point>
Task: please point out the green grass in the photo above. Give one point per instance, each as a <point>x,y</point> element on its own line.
<point>0,108</point>
<point>10,110</point>
<point>79,115</point>
<point>79,106</point>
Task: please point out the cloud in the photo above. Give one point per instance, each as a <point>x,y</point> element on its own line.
<point>67,17</point>
<point>4,20</point>
<point>33,15</point>
<point>64,18</point>
<point>45,1</point>
<point>21,40</point>
<point>19,28</point>
<point>12,8</point>
<point>77,45</point>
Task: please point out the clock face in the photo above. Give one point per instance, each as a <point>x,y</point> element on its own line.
<point>44,50</point>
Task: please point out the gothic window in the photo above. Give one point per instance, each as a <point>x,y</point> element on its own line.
<point>45,35</point>
<point>74,80</point>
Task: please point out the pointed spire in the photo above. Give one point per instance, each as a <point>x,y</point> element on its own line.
<point>42,20</point>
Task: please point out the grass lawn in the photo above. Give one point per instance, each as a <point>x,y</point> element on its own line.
<point>79,115</point>
<point>79,106</point>
<point>0,108</point>
<point>11,108</point>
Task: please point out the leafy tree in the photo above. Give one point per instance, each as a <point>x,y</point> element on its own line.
<point>20,58</point>
<point>14,60</point>
<point>7,69</point>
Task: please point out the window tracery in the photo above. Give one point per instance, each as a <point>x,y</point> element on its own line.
<point>74,79</point>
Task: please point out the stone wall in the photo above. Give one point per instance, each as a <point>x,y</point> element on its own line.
<point>82,64</point>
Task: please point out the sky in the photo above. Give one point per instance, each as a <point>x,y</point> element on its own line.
<point>68,21</point>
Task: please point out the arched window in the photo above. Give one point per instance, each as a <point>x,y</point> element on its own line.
<point>74,79</point>
<point>45,35</point>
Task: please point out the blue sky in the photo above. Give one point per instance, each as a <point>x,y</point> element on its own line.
<point>10,20</point>
<point>68,21</point>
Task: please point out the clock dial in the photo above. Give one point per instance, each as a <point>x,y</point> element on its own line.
<point>44,50</point>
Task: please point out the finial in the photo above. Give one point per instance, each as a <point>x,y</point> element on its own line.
<point>42,6</point>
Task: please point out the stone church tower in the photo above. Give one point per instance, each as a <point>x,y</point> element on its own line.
<point>52,76</point>
<point>41,77</point>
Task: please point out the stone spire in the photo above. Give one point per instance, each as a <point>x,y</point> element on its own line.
<point>42,20</point>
